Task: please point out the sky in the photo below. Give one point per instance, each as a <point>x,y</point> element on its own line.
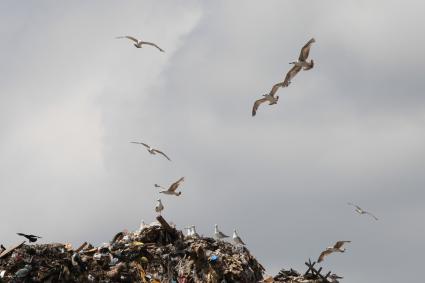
<point>349,130</point>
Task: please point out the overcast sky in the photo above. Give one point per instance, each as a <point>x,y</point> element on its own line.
<point>350,129</point>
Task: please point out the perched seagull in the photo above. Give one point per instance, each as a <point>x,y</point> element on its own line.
<point>159,207</point>
<point>237,239</point>
<point>188,231</point>
<point>302,63</point>
<point>172,189</point>
<point>193,232</point>
<point>218,234</point>
<point>360,211</point>
<point>152,150</point>
<point>335,278</point>
<point>336,248</point>
<point>270,98</point>
<point>138,43</point>
<point>31,238</point>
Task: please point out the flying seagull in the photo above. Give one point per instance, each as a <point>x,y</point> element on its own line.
<point>302,63</point>
<point>172,189</point>
<point>152,150</point>
<point>159,207</point>
<point>270,98</point>
<point>237,239</point>
<point>360,211</point>
<point>31,238</point>
<point>138,43</point>
<point>336,248</point>
<point>218,234</point>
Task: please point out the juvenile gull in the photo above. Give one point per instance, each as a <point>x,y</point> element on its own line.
<point>159,207</point>
<point>270,98</point>
<point>138,43</point>
<point>302,63</point>
<point>152,150</point>
<point>218,234</point>
<point>335,248</point>
<point>172,189</point>
<point>237,239</point>
<point>360,211</point>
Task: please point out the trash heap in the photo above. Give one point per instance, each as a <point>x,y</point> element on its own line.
<point>310,276</point>
<point>157,253</point>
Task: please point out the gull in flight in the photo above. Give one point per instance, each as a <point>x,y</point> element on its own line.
<point>237,239</point>
<point>31,238</point>
<point>302,63</point>
<point>360,211</point>
<point>159,207</point>
<point>270,98</point>
<point>138,43</point>
<point>152,150</point>
<point>218,234</point>
<point>335,248</point>
<point>172,189</point>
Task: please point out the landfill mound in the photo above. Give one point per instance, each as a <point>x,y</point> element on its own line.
<point>157,253</point>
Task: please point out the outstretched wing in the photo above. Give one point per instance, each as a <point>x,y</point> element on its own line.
<point>323,254</point>
<point>141,143</point>
<point>306,50</point>
<point>339,244</point>
<point>176,184</point>
<point>257,104</point>
<point>291,74</point>
<point>275,88</point>
<point>160,152</point>
<point>128,37</point>
<point>356,206</point>
<point>22,234</point>
<point>153,44</point>
<point>376,218</point>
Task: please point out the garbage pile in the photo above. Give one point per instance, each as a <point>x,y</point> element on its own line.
<point>157,253</point>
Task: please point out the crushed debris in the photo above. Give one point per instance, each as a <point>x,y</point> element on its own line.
<point>157,253</point>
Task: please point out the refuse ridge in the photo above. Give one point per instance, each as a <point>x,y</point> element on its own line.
<point>157,253</point>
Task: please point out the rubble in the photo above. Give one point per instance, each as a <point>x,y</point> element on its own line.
<point>156,253</point>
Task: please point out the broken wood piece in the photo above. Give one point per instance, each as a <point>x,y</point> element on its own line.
<point>11,249</point>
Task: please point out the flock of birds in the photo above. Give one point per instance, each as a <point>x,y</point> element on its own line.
<point>301,64</point>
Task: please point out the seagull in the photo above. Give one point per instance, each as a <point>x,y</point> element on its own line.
<point>188,231</point>
<point>218,234</point>
<point>31,238</point>
<point>360,211</point>
<point>159,207</point>
<point>336,248</point>
<point>172,189</point>
<point>335,278</point>
<point>193,232</point>
<point>237,239</point>
<point>302,63</point>
<point>2,248</point>
<point>152,150</point>
<point>138,43</point>
<point>267,98</point>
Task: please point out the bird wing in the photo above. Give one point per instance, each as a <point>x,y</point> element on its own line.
<point>275,88</point>
<point>175,185</point>
<point>256,104</point>
<point>141,143</point>
<point>160,152</point>
<point>306,50</point>
<point>291,74</point>
<point>339,244</point>
<point>153,44</point>
<point>366,212</point>
<point>323,254</point>
<point>356,206</point>
<point>129,37</point>
<point>22,234</point>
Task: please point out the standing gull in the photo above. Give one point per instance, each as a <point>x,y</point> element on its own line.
<point>152,150</point>
<point>138,43</point>
<point>302,63</point>
<point>335,248</point>
<point>193,232</point>
<point>218,234</point>
<point>159,207</point>
<point>360,211</point>
<point>270,98</point>
<point>237,239</point>
<point>172,189</point>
